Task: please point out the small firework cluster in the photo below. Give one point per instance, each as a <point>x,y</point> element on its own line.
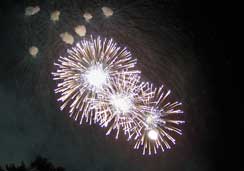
<point>97,83</point>
<point>66,37</point>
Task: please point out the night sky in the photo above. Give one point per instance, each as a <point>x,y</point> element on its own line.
<point>182,44</point>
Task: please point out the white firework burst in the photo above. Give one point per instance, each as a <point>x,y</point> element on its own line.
<point>160,119</point>
<point>119,106</point>
<point>87,69</point>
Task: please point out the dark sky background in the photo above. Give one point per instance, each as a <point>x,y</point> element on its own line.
<point>182,44</point>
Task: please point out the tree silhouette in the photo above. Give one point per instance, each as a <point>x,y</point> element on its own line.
<point>12,167</point>
<point>39,164</point>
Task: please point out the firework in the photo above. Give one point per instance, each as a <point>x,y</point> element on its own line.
<point>87,16</point>
<point>33,51</point>
<point>55,16</point>
<point>31,10</point>
<point>120,105</point>
<point>88,68</point>
<point>107,12</point>
<point>96,80</point>
<point>67,38</point>
<point>159,121</point>
<point>80,30</point>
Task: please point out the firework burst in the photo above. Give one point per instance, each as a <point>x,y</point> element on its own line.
<point>159,121</point>
<point>87,69</point>
<point>120,105</point>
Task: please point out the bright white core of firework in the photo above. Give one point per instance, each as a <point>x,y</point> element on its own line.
<point>152,134</point>
<point>152,117</point>
<point>96,76</point>
<point>149,120</point>
<point>121,103</point>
